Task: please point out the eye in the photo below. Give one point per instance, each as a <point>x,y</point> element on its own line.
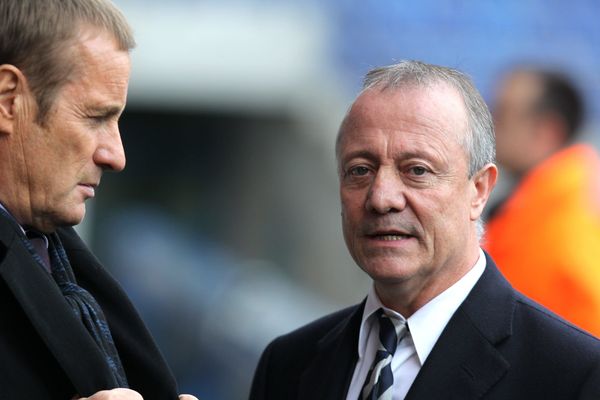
<point>418,170</point>
<point>98,119</point>
<point>103,116</point>
<point>358,171</point>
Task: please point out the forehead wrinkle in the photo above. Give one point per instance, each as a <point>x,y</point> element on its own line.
<point>417,140</point>
<point>384,108</point>
<point>419,144</point>
<point>435,113</point>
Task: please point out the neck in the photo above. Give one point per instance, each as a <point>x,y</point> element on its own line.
<point>408,296</point>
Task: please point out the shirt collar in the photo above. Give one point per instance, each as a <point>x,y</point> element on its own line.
<point>428,322</point>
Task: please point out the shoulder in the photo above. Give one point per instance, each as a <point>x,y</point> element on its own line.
<point>527,332</point>
<point>545,348</point>
<point>551,331</point>
<point>315,331</point>
<point>301,345</point>
<point>289,356</point>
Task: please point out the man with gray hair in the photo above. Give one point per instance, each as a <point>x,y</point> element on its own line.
<point>68,330</point>
<point>416,167</point>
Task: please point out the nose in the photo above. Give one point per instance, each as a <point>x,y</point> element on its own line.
<point>386,193</point>
<point>110,153</point>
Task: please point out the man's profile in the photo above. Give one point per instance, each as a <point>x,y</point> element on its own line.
<point>68,330</point>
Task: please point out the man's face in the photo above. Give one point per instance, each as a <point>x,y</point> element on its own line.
<point>58,164</point>
<point>408,209</point>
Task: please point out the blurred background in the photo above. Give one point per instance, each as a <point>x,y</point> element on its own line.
<point>224,227</point>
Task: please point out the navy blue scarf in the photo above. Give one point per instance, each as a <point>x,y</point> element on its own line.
<point>83,304</point>
<point>85,307</point>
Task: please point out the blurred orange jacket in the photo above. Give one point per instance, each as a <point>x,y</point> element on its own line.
<point>546,237</point>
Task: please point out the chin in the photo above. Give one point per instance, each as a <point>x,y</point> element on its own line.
<point>71,217</point>
<point>390,271</point>
<point>76,219</point>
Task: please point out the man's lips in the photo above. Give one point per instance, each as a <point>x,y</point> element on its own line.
<point>389,230</point>
<point>389,235</point>
<point>89,188</point>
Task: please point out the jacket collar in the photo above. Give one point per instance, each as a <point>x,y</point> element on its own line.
<point>465,361</point>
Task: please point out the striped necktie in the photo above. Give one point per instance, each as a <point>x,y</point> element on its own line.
<point>380,379</point>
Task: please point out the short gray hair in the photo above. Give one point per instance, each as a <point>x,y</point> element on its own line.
<point>36,35</point>
<point>479,142</point>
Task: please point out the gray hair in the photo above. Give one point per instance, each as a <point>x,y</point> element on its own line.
<point>479,141</point>
<point>37,35</point>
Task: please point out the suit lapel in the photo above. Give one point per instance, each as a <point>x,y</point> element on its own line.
<point>51,316</point>
<point>465,362</point>
<point>329,375</point>
<point>462,365</point>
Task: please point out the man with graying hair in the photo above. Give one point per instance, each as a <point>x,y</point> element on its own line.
<point>68,330</point>
<point>416,167</point>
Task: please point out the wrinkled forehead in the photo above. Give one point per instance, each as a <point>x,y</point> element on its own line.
<point>438,105</point>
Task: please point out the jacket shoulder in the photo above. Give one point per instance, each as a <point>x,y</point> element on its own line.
<point>551,329</point>
<point>288,357</point>
<point>316,330</point>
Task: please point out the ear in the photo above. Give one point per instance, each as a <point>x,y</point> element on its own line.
<point>12,81</point>
<point>483,182</point>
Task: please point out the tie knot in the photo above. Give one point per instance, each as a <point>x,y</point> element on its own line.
<point>391,330</point>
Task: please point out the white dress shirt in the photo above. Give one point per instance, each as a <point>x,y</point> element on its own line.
<point>425,327</point>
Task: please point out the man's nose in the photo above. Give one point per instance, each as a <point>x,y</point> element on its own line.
<point>386,193</point>
<point>110,153</point>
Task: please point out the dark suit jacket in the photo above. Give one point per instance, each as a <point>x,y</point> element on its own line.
<point>498,345</point>
<point>45,351</point>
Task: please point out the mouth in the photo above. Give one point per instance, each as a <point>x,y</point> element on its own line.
<point>390,236</point>
<point>89,189</point>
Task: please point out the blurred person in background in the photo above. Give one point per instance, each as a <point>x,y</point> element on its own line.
<point>68,330</point>
<point>416,167</point>
<point>546,235</point>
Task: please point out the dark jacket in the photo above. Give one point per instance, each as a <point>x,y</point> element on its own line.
<point>45,351</point>
<point>497,345</point>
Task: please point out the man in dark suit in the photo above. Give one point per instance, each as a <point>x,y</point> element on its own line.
<point>68,330</point>
<point>416,166</point>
